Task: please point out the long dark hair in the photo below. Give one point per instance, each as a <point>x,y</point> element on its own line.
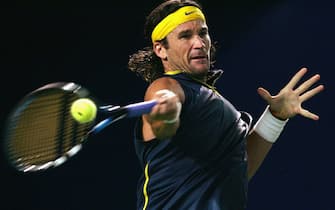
<point>145,62</point>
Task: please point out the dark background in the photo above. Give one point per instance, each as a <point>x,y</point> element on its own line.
<point>262,43</point>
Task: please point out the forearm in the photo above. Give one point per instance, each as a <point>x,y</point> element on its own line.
<point>259,142</point>
<point>162,130</point>
<point>257,149</point>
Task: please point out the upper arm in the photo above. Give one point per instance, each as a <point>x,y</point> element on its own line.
<point>165,83</point>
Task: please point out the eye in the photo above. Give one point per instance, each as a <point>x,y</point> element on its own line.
<point>185,35</point>
<point>203,32</point>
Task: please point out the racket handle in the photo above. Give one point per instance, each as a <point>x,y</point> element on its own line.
<point>138,109</point>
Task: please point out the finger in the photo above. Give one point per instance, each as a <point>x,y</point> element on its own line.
<point>155,110</point>
<point>311,93</point>
<point>264,94</point>
<point>304,86</point>
<point>295,79</point>
<point>163,95</point>
<point>309,115</point>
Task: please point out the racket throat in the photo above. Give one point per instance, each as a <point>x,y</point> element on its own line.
<point>115,114</point>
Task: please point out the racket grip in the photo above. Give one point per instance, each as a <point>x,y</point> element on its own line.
<point>137,109</point>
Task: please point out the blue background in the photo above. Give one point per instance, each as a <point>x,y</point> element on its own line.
<point>261,44</point>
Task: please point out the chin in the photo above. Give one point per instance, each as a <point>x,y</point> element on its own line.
<point>200,73</point>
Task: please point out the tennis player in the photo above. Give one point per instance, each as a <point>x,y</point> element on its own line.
<point>198,151</point>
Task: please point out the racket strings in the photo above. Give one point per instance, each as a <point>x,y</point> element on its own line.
<point>44,130</point>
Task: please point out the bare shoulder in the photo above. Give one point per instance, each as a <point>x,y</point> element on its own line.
<point>165,83</point>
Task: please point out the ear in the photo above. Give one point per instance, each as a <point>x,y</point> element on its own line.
<point>160,50</point>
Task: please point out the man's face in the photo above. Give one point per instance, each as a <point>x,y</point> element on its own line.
<point>189,48</point>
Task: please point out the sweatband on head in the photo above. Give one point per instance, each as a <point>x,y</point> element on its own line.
<point>170,22</point>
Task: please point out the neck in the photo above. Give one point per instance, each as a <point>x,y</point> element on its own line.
<point>200,78</point>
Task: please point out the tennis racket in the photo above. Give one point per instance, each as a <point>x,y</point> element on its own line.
<point>40,132</point>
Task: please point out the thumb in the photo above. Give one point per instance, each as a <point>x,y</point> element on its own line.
<point>264,94</point>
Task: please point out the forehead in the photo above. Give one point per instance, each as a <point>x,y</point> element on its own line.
<point>191,25</point>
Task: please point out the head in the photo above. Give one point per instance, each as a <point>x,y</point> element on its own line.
<point>179,40</point>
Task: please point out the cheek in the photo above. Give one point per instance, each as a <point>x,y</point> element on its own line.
<point>208,43</point>
<point>180,52</point>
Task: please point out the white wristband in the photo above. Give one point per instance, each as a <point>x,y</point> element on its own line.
<point>178,104</point>
<point>269,127</point>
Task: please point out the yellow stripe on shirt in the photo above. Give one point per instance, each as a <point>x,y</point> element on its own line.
<point>145,192</point>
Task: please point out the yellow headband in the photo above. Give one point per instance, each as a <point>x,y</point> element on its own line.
<point>174,19</point>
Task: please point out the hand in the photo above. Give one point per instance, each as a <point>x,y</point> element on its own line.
<point>287,103</point>
<point>168,106</point>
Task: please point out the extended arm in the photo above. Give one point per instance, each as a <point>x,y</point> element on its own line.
<point>286,104</point>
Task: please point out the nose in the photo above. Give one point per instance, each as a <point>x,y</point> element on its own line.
<point>198,42</point>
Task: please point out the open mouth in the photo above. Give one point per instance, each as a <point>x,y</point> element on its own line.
<point>199,58</point>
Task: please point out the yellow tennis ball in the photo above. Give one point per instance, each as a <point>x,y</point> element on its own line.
<point>83,110</point>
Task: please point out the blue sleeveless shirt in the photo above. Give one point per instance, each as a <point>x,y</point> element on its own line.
<point>202,167</point>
